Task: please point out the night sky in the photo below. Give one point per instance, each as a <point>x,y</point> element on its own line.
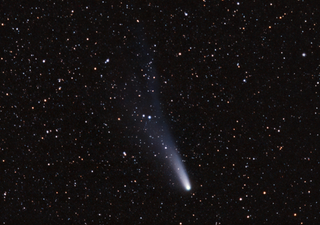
<point>100,103</point>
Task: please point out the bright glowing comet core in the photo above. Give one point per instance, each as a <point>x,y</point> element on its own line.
<point>186,183</point>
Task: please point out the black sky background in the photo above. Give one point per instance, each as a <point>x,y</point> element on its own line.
<point>239,93</point>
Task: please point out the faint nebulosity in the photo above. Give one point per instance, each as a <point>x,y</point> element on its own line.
<point>97,98</point>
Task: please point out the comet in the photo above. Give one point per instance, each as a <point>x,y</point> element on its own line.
<point>147,109</point>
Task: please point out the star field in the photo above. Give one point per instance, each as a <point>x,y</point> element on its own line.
<point>91,93</point>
